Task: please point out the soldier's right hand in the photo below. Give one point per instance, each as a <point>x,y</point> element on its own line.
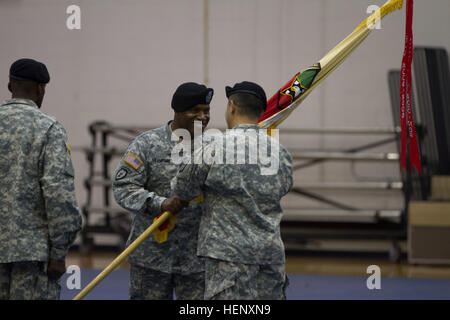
<point>174,204</point>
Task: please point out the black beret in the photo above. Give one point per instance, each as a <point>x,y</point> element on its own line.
<point>29,70</point>
<point>250,88</point>
<point>190,94</point>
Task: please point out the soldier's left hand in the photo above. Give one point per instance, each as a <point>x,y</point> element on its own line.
<point>56,269</point>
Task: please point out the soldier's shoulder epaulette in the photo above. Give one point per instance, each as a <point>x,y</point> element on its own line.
<point>49,118</point>
<point>153,134</point>
<point>49,122</point>
<point>39,119</point>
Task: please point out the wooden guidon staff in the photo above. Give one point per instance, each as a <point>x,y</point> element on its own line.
<point>136,243</point>
<point>280,106</point>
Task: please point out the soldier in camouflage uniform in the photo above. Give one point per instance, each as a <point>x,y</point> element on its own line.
<point>240,228</point>
<point>141,184</point>
<point>39,216</point>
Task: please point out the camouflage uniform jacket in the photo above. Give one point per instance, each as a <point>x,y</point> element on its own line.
<point>141,182</point>
<point>39,216</point>
<point>242,212</point>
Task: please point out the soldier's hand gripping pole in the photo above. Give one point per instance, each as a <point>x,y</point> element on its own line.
<point>117,261</point>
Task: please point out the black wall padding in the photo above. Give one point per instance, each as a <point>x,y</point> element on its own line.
<point>432,83</point>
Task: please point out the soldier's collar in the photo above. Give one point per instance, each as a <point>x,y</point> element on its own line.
<point>169,130</point>
<point>27,102</point>
<point>246,126</point>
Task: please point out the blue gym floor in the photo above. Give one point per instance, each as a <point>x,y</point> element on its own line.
<point>302,287</point>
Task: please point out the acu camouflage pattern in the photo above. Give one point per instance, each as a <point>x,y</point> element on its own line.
<point>242,212</point>
<point>149,284</point>
<point>236,281</point>
<point>39,216</point>
<point>142,192</point>
<point>27,281</point>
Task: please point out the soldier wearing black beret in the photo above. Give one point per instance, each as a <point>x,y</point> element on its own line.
<point>27,78</point>
<point>191,103</point>
<point>250,88</point>
<point>39,214</point>
<point>239,235</point>
<point>167,261</point>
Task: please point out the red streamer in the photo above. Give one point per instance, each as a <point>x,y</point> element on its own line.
<point>406,116</point>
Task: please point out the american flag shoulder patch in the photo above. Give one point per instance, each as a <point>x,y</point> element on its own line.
<point>133,161</point>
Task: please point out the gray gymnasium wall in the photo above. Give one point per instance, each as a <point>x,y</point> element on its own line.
<point>129,56</point>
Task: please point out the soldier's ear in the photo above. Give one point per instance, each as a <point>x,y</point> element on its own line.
<point>9,87</point>
<point>41,89</point>
<point>233,107</point>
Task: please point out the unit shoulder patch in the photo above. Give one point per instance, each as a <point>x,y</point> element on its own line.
<point>122,173</point>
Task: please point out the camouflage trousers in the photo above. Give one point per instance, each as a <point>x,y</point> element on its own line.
<point>27,281</point>
<point>149,284</point>
<point>235,281</point>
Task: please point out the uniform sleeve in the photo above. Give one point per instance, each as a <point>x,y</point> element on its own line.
<point>191,177</point>
<point>129,181</point>
<point>58,189</point>
<point>287,179</point>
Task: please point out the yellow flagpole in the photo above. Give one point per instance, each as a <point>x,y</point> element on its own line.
<point>331,66</point>
<point>334,59</point>
<point>117,261</point>
<point>136,243</point>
